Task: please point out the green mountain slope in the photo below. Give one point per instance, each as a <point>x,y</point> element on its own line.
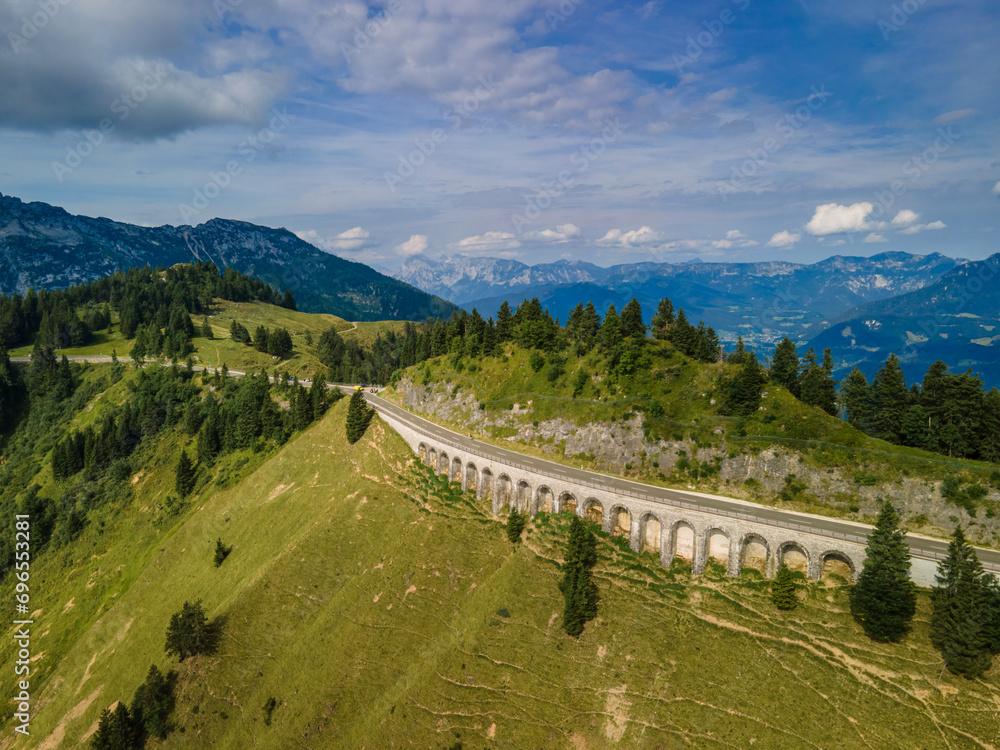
<point>380,608</point>
<point>45,247</point>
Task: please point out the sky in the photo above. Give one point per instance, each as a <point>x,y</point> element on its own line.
<point>610,132</point>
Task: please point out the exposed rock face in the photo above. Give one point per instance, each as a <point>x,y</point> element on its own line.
<point>762,475</point>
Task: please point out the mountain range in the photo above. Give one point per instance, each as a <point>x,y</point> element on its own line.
<point>762,301</point>
<point>46,247</point>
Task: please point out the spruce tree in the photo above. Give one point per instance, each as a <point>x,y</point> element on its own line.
<point>857,399</point>
<point>358,417</point>
<point>184,476</point>
<point>577,585</point>
<point>663,319</point>
<point>631,319</point>
<point>221,552</point>
<point>783,589</point>
<point>611,329</point>
<point>190,633</point>
<point>890,398</point>
<point>206,328</point>
<point>884,598</point>
<point>958,621</point>
<point>742,396</point>
<point>154,701</point>
<point>785,365</point>
<point>516,522</point>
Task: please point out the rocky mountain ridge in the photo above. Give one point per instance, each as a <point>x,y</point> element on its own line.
<point>45,247</point>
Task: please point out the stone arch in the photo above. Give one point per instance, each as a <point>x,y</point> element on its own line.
<point>432,457</point>
<point>795,556</point>
<point>484,488</point>
<point>422,452</point>
<point>442,467</point>
<point>455,471</point>
<point>523,496</point>
<point>620,521</point>
<point>567,503</point>
<point>716,543</point>
<point>544,500</point>
<point>754,553</point>
<point>469,480</point>
<point>505,490</point>
<point>835,562</point>
<point>650,531</point>
<point>683,535</point>
<point>593,511</point>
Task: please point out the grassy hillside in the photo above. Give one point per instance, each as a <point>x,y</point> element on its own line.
<point>678,401</point>
<point>237,356</point>
<point>381,608</point>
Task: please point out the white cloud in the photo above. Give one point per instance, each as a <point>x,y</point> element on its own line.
<point>413,246</point>
<point>917,228</point>
<point>635,237</point>
<point>874,237</point>
<point>832,218</point>
<point>905,217</point>
<point>996,189</point>
<point>562,233</point>
<point>954,115</point>
<point>784,238</point>
<point>488,242</point>
<point>353,239</point>
<point>735,234</point>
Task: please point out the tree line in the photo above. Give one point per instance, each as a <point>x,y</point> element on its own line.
<point>160,298</point>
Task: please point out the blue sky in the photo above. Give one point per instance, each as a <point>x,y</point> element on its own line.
<point>532,129</point>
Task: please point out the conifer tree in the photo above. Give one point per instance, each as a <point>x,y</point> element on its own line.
<point>740,355</point>
<point>783,589</point>
<point>631,319</point>
<point>742,396</point>
<point>577,585</point>
<point>221,552</point>
<point>154,701</point>
<point>857,399</point>
<point>190,633</point>
<point>611,329</point>
<point>884,598</point>
<point>117,730</point>
<point>185,475</point>
<point>785,366</point>
<point>958,626</point>
<point>358,417</point>
<point>516,522</point>
<point>206,328</point>
<point>663,319</point>
<point>889,399</point>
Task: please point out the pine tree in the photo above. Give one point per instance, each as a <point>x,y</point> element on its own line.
<point>577,585</point>
<point>785,366</point>
<point>611,329</point>
<point>358,417</point>
<point>857,399</point>
<point>184,477</point>
<point>742,396</point>
<point>884,598</point>
<point>221,552</point>
<point>516,522</point>
<point>663,319</point>
<point>631,319</point>
<point>154,701</point>
<point>190,633</point>
<point>783,589</point>
<point>206,328</point>
<point>890,398</point>
<point>958,628</point>
<point>118,730</point>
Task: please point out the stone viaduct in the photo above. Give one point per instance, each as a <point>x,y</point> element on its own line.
<point>669,528</point>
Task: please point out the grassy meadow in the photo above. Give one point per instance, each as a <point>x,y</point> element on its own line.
<point>381,607</point>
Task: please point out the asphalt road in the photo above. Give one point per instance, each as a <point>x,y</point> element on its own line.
<point>920,546</point>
